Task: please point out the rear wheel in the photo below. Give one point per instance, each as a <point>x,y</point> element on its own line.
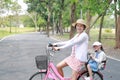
<point>96,76</point>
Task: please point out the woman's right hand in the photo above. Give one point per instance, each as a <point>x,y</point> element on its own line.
<point>56,48</point>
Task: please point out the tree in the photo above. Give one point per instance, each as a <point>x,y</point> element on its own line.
<point>15,10</point>
<point>10,6</point>
<point>33,11</point>
<point>73,8</point>
<point>43,8</point>
<point>33,16</point>
<point>117,21</point>
<point>100,8</point>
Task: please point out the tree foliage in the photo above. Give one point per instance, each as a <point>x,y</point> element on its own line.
<point>58,15</point>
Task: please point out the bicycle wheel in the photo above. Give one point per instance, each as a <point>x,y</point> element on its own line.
<point>96,76</point>
<point>38,76</point>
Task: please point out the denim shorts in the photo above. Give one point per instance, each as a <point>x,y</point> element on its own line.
<point>93,65</point>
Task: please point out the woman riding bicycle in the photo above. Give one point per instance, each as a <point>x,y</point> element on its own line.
<point>96,60</point>
<point>78,55</point>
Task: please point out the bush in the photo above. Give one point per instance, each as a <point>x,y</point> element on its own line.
<point>108,30</point>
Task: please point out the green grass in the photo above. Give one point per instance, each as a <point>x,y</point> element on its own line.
<point>62,37</point>
<point>6,31</point>
<point>108,37</point>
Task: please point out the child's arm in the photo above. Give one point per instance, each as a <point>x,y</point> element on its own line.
<point>100,57</point>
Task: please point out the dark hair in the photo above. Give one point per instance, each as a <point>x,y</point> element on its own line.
<point>102,48</point>
<point>83,26</point>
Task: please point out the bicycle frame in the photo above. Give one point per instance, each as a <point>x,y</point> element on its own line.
<point>51,70</point>
<point>54,74</point>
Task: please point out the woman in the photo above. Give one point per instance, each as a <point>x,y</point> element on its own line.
<point>96,60</point>
<point>79,44</point>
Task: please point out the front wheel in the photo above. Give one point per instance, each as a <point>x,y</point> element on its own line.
<point>96,76</point>
<point>38,76</point>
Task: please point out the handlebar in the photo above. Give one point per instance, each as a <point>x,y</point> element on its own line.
<point>52,46</point>
<point>50,49</point>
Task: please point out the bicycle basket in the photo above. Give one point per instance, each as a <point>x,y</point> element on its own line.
<point>41,61</point>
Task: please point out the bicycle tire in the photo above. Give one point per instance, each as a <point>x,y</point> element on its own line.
<point>96,76</point>
<point>38,76</point>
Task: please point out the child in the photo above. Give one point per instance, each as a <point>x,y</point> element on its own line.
<point>96,60</point>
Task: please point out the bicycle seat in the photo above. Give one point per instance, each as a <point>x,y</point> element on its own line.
<point>102,65</point>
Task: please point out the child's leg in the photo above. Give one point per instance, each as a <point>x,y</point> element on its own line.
<point>90,72</point>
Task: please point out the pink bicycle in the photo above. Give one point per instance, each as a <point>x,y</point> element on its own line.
<point>47,70</point>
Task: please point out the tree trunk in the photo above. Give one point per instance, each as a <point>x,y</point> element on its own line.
<point>33,17</point>
<point>60,16</point>
<point>101,25</point>
<point>57,27</point>
<point>48,24</point>
<point>102,19</point>
<point>60,23</point>
<point>10,24</point>
<point>118,33</point>
<point>117,30</point>
<point>48,19</point>
<point>72,30</point>
<point>95,21</point>
<point>89,17</point>
<point>35,22</point>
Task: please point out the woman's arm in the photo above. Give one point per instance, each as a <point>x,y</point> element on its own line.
<point>65,42</point>
<point>78,39</point>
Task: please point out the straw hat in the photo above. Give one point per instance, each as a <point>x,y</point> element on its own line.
<point>81,21</point>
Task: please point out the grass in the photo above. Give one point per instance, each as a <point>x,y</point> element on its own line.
<point>108,37</point>
<point>6,31</point>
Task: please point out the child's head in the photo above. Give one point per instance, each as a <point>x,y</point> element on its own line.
<point>97,46</point>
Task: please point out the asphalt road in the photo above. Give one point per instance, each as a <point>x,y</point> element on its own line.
<point>17,57</point>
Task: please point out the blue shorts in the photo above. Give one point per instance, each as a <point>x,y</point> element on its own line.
<point>93,65</point>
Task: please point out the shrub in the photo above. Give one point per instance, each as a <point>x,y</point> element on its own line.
<point>108,30</point>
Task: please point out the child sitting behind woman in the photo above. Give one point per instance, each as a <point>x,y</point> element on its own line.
<point>96,60</point>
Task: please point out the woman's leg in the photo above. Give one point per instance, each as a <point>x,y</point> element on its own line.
<point>61,65</point>
<point>74,75</point>
<point>90,72</point>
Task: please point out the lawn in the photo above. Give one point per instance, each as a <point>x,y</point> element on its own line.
<point>108,36</point>
<point>6,31</point>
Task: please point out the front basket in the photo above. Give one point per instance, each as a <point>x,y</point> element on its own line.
<point>41,61</point>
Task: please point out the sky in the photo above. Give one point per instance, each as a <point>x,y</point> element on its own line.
<point>23,5</point>
<point>23,9</point>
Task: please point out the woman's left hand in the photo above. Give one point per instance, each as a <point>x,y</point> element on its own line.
<point>91,56</point>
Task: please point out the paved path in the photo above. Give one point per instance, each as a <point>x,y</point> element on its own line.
<point>17,57</point>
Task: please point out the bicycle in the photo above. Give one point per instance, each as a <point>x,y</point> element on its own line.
<point>47,70</point>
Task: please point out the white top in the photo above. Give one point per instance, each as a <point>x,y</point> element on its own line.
<point>79,45</point>
<point>101,57</point>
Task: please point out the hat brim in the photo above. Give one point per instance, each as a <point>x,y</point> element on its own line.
<point>97,44</point>
<point>74,24</point>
